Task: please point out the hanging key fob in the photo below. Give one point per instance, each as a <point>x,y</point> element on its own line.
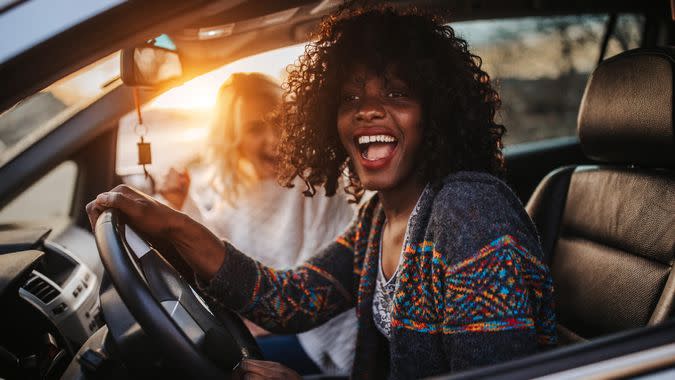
<point>144,153</point>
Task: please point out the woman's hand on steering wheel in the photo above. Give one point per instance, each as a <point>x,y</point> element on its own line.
<point>144,213</point>
<point>202,250</point>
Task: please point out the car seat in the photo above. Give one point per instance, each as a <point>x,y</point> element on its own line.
<point>608,230</point>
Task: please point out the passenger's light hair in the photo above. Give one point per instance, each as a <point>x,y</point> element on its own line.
<point>231,174</point>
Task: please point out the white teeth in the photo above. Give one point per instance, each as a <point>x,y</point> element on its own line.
<point>376,138</point>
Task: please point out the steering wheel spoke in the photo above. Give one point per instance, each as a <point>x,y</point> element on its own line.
<point>185,321</point>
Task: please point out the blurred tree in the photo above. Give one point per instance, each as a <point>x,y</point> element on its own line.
<point>573,33</point>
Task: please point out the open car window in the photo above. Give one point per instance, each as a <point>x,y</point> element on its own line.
<point>540,66</point>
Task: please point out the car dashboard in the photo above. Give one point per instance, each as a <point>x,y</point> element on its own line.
<point>55,301</point>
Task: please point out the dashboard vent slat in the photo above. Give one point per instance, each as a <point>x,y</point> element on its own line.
<point>41,289</point>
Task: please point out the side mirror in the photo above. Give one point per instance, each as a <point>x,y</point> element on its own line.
<point>149,66</point>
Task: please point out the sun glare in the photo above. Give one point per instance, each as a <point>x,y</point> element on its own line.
<point>200,93</point>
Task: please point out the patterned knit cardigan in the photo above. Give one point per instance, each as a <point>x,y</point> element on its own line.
<point>472,289</point>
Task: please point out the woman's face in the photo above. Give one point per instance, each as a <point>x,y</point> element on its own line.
<point>260,138</point>
<point>379,123</point>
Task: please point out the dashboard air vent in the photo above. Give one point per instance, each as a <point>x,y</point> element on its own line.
<point>41,289</point>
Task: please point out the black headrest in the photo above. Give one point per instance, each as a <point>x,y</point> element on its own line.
<point>626,114</point>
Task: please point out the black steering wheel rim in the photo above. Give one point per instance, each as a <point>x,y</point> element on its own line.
<point>136,293</point>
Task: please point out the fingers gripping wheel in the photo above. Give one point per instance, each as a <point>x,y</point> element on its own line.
<point>167,308</point>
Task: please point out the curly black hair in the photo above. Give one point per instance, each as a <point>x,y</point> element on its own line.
<point>457,98</point>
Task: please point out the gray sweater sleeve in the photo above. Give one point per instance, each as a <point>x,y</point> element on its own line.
<point>288,301</point>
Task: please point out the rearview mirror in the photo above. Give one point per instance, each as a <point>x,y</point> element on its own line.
<point>149,66</point>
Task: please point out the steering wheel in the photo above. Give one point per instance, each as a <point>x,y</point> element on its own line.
<point>168,309</point>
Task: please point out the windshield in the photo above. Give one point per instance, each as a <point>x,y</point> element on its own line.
<point>37,115</point>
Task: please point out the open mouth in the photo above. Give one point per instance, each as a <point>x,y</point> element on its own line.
<point>376,147</point>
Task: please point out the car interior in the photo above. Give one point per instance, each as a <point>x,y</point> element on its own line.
<point>104,304</point>
<point>606,227</point>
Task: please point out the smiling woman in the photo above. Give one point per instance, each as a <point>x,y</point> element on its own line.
<point>380,123</point>
<point>412,118</point>
<point>434,81</point>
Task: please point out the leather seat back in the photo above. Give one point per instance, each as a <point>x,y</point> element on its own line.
<point>609,230</point>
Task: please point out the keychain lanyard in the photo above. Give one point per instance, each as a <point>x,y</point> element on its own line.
<point>144,152</point>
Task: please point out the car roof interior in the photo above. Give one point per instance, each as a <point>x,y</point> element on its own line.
<point>291,22</point>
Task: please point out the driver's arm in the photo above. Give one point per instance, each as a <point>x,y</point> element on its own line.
<point>286,301</point>
<point>280,301</point>
<point>295,300</point>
